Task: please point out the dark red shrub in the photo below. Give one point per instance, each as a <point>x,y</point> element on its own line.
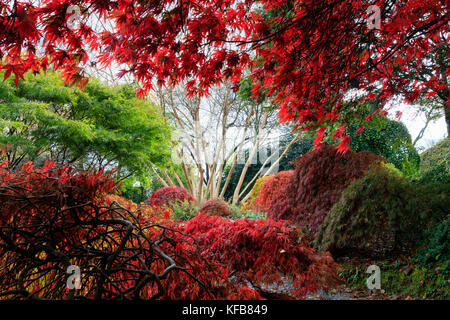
<point>259,251</point>
<point>320,177</point>
<point>216,207</point>
<point>169,197</point>
<point>271,190</point>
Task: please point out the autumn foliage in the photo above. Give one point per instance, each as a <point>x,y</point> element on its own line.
<point>143,212</point>
<point>216,207</point>
<point>307,54</point>
<point>259,252</point>
<point>250,203</point>
<point>169,197</point>
<point>272,189</point>
<point>316,185</point>
<point>303,55</point>
<point>54,216</point>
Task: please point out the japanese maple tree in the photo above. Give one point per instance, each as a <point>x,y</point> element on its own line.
<point>264,251</point>
<point>55,217</point>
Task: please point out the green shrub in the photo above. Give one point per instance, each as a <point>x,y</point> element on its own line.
<point>136,192</point>
<point>387,138</point>
<point>439,174</point>
<point>251,215</point>
<point>382,211</point>
<point>427,283</point>
<point>392,169</point>
<point>185,210</point>
<point>435,164</point>
<point>436,199</point>
<point>436,155</point>
<point>235,210</point>
<point>435,247</point>
<point>237,213</point>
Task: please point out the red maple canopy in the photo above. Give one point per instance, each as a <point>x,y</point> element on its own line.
<point>303,53</point>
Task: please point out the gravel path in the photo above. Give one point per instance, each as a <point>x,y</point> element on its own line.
<point>320,295</point>
<point>286,286</point>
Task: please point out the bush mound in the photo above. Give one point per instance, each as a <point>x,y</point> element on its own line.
<point>216,207</point>
<point>436,155</point>
<point>259,251</point>
<point>318,180</point>
<point>435,163</point>
<point>169,197</point>
<point>387,138</point>
<point>272,189</point>
<point>377,213</point>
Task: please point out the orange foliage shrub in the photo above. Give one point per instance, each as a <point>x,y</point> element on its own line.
<point>249,205</point>
<point>272,189</point>
<point>142,211</point>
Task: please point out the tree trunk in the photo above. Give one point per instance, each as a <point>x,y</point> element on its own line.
<point>447,119</point>
<point>249,160</point>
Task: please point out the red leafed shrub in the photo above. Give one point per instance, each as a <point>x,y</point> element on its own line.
<point>29,192</point>
<point>271,189</point>
<point>259,251</point>
<point>54,217</point>
<point>216,207</point>
<point>169,197</point>
<point>318,181</point>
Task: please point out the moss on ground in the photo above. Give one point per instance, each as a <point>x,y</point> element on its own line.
<point>400,279</point>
